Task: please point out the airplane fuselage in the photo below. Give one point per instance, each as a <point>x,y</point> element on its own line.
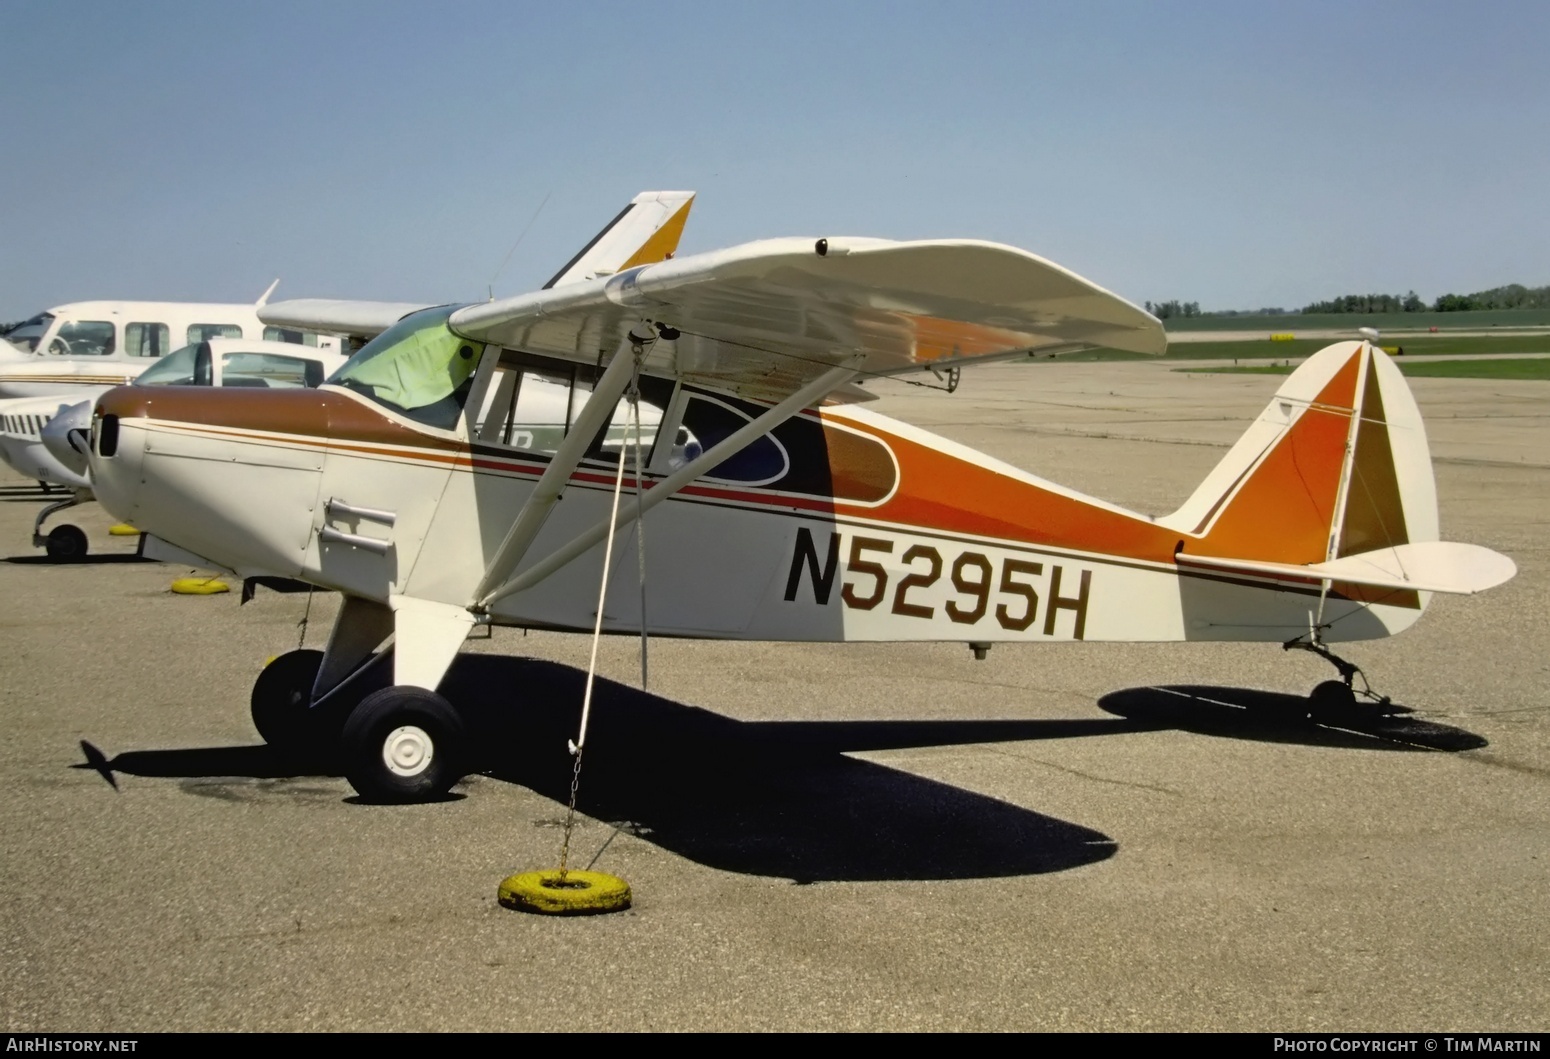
<point>845,526</point>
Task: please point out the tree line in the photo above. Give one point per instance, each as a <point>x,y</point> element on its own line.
<point>1164,310</point>
<point>1512,296</point>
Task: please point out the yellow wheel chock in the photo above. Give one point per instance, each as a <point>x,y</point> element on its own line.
<point>199,586</point>
<point>572,893</point>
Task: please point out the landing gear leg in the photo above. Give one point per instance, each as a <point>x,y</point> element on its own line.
<point>1335,698</point>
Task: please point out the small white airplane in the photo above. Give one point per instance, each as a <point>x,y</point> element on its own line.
<point>109,343</point>
<point>45,437</point>
<point>424,479</point>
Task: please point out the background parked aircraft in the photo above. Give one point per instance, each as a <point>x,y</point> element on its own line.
<point>109,343</point>
<point>44,437</point>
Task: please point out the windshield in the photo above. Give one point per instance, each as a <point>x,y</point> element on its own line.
<point>178,368</point>
<point>28,334</point>
<point>417,367</point>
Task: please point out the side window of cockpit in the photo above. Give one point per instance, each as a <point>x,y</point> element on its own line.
<point>286,334</point>
<point>706,422</point>
<point>147,340</point>
<point>83,338</point>
<point>532,406</point>
<point>205,332</point>
<point>618,437</point>
<point>526,408</point>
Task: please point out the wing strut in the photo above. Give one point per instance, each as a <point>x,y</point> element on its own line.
<point>534,513</point>
<point>728,447</point>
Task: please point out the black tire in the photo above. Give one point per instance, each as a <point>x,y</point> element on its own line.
<point>65,544</point>
<point>1332,700</point>
<point>403,744</point>
<point>282,701</point>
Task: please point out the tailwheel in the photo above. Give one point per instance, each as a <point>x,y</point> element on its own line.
<point>282,707</point>
<point>65,544</point>
<point>403,744</point>
<point>1331,700</point>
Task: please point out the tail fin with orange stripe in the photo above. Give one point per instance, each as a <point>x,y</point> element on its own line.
<point>1334,482</point>
<point>645,232</point>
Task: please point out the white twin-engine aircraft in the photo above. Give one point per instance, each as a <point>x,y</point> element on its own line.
<point>71,348</point>
<point>422,481</point>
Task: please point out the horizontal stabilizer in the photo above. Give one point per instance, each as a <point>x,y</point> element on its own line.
<point>327,316</point>
<point>1424,566</point>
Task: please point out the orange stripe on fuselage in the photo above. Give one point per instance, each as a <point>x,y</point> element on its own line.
<point>1283,511</point>
<point>939,491</point>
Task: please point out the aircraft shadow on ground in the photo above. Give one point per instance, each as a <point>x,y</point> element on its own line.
<point>1269,716</point>
<point>85,560</point>
<point>782,798</point>
<point>776,799</point>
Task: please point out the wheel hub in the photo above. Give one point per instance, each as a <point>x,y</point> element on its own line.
<point>407,751</point>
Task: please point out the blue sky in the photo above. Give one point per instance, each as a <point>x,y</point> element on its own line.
<point>1233,154</point>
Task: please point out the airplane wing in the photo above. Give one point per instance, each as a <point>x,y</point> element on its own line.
<point>327,316</point>
<point>764,318</point>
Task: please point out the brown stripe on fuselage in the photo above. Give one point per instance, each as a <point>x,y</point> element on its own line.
<point>324,414</point>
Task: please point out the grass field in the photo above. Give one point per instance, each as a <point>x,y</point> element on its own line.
<point>1351,321</point>
<point>1526,368</point>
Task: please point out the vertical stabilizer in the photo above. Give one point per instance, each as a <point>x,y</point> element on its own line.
<point>645,232</point>
<point>1336,465</point>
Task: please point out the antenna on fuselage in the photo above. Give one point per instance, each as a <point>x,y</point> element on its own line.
<point>263,299</point>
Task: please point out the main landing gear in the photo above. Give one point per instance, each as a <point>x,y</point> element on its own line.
<point>399,744</point>
<point>302,735</point>
<point>402,743</point>
<point>64,544</point>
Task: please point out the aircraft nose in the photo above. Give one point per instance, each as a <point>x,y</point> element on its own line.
<point>115,451</point>
<point>66,436</point>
